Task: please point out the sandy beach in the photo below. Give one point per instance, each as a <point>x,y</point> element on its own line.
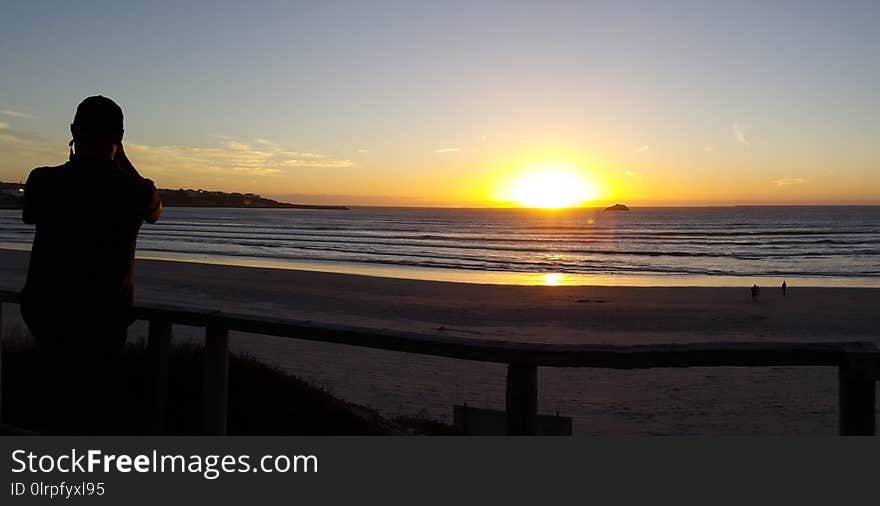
<point>726,400</point>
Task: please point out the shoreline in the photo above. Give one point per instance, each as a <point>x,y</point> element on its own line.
<point>498,278</point>
<point>572,314</point>
<point>551,278</point>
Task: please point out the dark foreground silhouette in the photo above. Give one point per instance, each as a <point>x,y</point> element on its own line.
<point>284,405</point>
<point>87,214</point>
<point>80,281</point>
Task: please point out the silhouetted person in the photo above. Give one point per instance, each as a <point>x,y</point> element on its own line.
<point>754,293</point>
<point>80,279</point>
<point>784,286</point>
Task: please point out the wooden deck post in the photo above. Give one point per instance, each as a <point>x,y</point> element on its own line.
<point>157,360</point>
<point>215,385</point>
<point>522,400</point>
<point>857,391</point>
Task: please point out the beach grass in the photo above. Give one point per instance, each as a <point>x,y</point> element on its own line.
<point>263,400</point>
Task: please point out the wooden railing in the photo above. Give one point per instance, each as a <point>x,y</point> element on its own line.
<point>858,362</point>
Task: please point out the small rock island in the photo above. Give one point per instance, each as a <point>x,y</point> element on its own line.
<point>617,207</point>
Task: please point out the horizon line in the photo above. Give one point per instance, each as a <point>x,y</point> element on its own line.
<point>599,207</point>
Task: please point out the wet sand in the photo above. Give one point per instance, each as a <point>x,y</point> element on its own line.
<point>721,400</point>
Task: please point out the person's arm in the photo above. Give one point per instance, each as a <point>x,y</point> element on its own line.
<point>31,206</point>
<point>154,204</point>
<point>124,163</point>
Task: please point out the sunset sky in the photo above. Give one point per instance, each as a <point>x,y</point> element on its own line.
<point>457,103</point>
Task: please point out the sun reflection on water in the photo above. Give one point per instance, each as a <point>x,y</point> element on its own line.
<point>553,279</point>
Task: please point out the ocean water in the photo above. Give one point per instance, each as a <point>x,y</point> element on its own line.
<point>662,246</point>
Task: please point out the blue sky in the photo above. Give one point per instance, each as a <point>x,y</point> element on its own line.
<point>433,102</point>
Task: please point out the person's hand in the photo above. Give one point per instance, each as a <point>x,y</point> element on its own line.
<point>123,163</point>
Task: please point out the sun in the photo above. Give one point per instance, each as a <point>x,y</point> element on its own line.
<point>551,187</point>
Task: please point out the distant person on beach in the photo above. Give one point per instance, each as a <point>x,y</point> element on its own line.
<point>87,214</point>
<point>756,292</point>
<point>784,286</point>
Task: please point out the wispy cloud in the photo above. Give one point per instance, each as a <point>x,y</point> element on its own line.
<point>740,135</point>
<point>26,145</point>
<point>362,150</point>
<point>226,159</point>
<point>238,146</point>
<point>636,175</point>
<point>258,171</point>
<point>642,148</point>
<point>708,148</point>
<point>447,150</point>
<point>789,181</point>
<point>261,158</point>
<point>8,136</point>
<point>17,114</point>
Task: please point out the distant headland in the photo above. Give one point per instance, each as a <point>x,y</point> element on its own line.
<point>204,198</point>
<point>11,198</point>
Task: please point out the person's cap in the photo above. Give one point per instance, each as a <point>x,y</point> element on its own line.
<point>98,115</point>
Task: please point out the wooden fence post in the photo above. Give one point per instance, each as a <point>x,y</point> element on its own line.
<point>157,361</point>
<point>1,362</point>
<point>857,391</point>
<point>215,385</point>
<point>522,400</point>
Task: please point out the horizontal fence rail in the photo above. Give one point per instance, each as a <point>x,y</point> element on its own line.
<point>858,362</point>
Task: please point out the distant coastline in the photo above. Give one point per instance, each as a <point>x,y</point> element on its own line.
<point>203,198</point>
<point>11,198</point>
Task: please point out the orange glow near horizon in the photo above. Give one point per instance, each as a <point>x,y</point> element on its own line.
<point>553,279</point>
<point>548,186</point>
